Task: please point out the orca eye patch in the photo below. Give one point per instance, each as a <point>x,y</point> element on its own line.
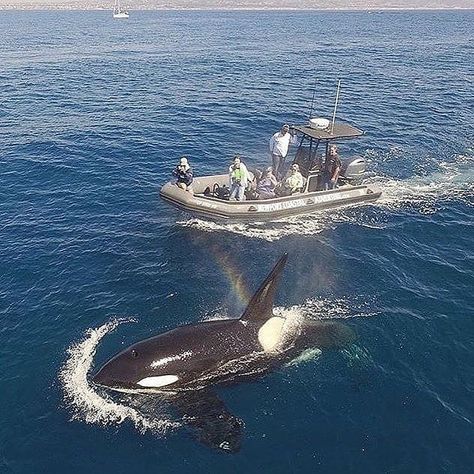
<point>134,353</point>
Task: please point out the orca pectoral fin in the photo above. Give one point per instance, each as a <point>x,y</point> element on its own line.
<point>327,334</point>
<point>260,307</point>
<point>210,421</point>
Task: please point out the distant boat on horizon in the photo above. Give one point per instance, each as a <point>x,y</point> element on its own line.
<point>118,12</point>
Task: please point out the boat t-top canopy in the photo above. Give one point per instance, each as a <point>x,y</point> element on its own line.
<point>339,131</point>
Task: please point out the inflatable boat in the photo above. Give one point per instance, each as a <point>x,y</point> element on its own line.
<point>210,200</point>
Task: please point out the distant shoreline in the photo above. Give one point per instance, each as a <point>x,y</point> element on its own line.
<point>227,9</point>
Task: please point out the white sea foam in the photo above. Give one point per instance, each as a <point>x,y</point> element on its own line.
<point>302,225</point>
<point>90,406</point>
<point>220,314</point>
<point>325,308</point>
<point>313,308</point>
<point>437,182</point>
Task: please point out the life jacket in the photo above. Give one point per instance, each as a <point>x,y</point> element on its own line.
<point>237,175</point>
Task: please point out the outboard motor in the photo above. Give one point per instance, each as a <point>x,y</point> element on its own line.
<point>353,169</point>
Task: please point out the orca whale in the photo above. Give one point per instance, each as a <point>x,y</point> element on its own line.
<point>184,363</point>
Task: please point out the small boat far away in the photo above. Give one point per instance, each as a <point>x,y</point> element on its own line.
<point>118,12</point>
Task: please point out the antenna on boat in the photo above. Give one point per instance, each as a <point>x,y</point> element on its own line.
<point>312,100</point>
<point>335,105</point>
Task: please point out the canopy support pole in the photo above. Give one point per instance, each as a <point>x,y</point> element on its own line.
<point>335,105</point>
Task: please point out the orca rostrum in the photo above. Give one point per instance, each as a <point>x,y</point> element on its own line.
<point>182,364</point>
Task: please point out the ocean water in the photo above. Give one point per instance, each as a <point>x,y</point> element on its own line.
<point>94,114</point>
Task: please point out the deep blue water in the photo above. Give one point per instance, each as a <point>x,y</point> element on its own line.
<point>94,114</point>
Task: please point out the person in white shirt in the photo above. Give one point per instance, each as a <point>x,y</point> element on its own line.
<point>279,144</point>
<point>238,178</point>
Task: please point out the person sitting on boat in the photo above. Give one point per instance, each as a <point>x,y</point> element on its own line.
<point>331,168</point>
<point>279,144</point>
<point>266,185</point>
<point>238,178</point>
<point>251,189</point>
<point>184,175</point>
<point>293,183</point>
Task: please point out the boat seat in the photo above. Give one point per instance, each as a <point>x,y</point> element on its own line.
<point>314,183</point>
<point>220,192</point>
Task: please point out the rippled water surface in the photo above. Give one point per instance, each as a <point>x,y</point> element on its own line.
<point>94,114</point>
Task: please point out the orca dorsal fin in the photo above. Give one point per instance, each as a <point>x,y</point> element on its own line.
<point>261,305</point>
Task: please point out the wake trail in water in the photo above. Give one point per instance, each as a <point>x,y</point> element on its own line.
<point>438,182</point>
<point>325,308</point>
<point>313,308</point>
<point>92,407</point>
<point>449,181</point>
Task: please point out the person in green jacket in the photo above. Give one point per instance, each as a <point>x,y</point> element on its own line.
<point>238,178</point>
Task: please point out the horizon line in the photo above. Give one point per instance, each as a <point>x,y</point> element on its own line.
<point>230,9</point>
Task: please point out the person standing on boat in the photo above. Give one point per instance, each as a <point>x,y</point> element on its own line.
<point>279,144</point>
<point>331,168</point>
<point>184,175</point>
<point>238,178</point>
